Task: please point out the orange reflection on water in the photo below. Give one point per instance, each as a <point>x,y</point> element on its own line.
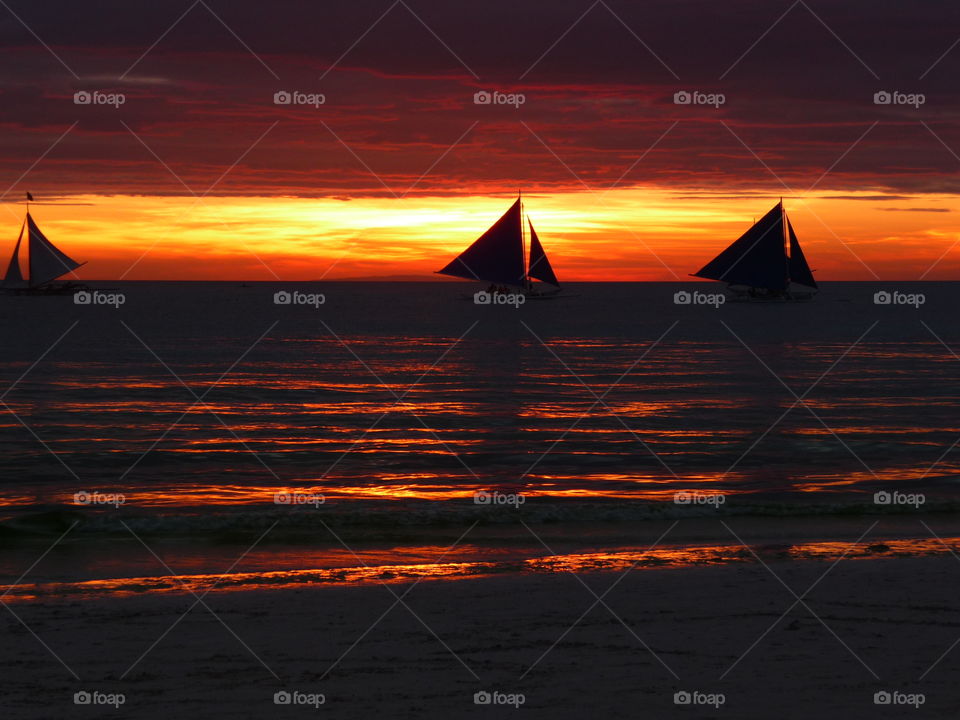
<point>426,486</point>
<point>235,581</point>
<point>581,562</point>
<point>871,430</point>
<point>819,483</point>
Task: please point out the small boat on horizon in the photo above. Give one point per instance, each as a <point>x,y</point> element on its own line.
<point>499,257</point>
<point>765,264</point>
<point>46,263</point>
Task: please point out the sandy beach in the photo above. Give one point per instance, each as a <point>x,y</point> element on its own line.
<point>867,626</point>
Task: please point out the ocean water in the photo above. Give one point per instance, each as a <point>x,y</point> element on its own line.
<point>186,410</point>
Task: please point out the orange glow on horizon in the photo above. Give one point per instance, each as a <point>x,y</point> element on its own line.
<point>627,234</point>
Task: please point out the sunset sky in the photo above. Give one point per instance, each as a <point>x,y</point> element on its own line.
<point>200,175</point>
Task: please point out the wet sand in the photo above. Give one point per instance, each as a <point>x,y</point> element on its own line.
<point>883,623</point>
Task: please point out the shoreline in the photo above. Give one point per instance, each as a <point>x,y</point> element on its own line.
<point>869,626</point>
<point>88,568</point>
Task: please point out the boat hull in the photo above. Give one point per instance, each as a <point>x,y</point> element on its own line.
<point>527,295</point>
<point>743,294</point>
<point>63,289</point>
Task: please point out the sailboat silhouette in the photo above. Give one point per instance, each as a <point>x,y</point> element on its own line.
<point>499,257</point>
<point>46,263</point>
<point>766,263</point>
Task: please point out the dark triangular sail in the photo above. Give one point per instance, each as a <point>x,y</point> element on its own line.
<point>47,262</point>
<point>539,264</point>
<point>14,278</point>
<point>758,258</point>
<point>799,270</point>
<point>496,256</point>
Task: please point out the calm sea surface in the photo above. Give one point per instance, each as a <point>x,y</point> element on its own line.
<point>384,410</point>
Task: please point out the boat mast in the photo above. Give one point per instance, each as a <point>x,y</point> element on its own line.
<point>523,241</point>
<point>786,246</point>
<point>27,224</point>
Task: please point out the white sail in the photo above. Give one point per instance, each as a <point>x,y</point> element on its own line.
<point>47,262</point>
<point>14,278</point>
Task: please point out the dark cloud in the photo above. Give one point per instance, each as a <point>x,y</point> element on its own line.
<point>917,209</point>
<point>800,102</point>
